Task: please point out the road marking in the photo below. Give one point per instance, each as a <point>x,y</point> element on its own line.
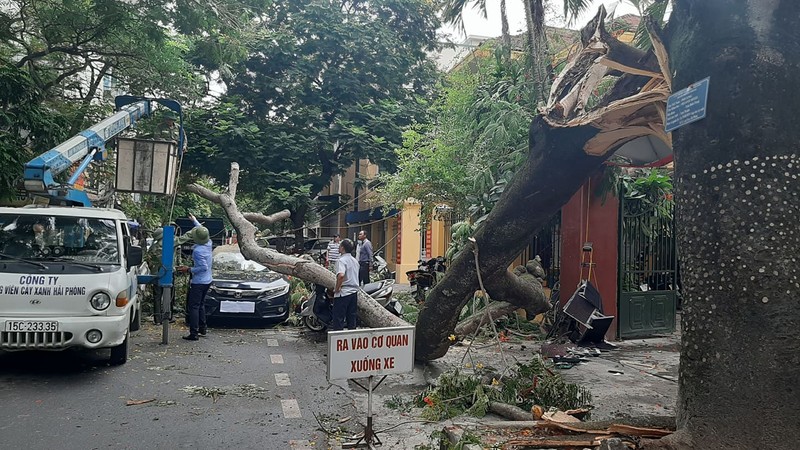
<point>272,342</point>
<point>282,379</point>
<point>291,410</point>
<point>276,359</point>
<point>301,444</point>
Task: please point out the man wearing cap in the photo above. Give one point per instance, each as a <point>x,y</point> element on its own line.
<point>201,277</point>
<point>169,130</point>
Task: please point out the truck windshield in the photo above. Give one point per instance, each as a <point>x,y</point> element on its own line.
<point>41,237</point>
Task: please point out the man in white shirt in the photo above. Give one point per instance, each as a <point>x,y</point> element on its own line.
<point>345,294</point>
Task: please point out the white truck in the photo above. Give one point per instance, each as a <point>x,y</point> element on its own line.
<point>68,271</point>
<point>68,279</point>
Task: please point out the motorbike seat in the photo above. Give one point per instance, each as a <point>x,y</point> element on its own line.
<point>371,288</point>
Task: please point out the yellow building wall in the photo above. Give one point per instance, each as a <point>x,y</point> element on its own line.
<point>390,252</point>
<point>410,241</point>
<point>439,238</point>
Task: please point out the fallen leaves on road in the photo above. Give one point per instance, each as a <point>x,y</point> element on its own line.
<point>239,390</point>
<point>139,402</point>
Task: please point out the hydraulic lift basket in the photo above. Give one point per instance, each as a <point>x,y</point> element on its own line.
<point>146,166</point>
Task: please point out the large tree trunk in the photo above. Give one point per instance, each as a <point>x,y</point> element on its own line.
<point>567,144</point>
<point>738,214</point>
<point>555,169</point>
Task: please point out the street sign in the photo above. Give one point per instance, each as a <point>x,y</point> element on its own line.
<point>687,105</point>
<point>370,352</point>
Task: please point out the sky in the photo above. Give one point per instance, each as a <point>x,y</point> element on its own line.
<point>476,25</point>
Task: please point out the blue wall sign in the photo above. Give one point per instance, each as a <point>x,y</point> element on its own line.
<point>687,105</point>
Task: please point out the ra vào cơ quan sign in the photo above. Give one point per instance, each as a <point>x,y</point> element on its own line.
<point>370,352</point>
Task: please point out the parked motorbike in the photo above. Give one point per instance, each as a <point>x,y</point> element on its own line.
<point>425,277</point>
<point>380,268</point>
<point>317,312</point>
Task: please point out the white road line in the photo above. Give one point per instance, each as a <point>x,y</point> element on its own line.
<point>272,342</point>
<point>291,410</point>
<point>301,444</point>
<point>282,379</point>
<point>276,359</point>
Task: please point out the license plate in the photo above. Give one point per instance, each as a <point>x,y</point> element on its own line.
<point>31,325</point>
<point>237,307</point>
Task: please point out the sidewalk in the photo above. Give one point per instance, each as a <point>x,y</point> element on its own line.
<point>638,378</point>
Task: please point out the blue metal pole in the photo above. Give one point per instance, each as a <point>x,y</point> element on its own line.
<point>165,279</point>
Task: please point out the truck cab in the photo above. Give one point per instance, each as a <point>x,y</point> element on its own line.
<point>68,280</point>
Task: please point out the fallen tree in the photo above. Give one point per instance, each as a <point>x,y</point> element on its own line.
<point>568,142</point>
<point>370,311</point>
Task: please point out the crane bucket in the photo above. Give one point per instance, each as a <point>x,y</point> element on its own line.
<point>146,166</point>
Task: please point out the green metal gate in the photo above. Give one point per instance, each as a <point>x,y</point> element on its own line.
<point>648,276</point>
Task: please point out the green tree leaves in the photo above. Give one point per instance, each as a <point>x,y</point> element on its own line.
<point>324,84</point>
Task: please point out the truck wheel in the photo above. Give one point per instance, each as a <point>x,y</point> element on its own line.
<point>119,354</point>
<point>136,322</point>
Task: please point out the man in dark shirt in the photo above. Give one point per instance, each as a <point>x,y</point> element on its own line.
<point>364,257</point>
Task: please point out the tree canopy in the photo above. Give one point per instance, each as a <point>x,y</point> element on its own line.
<point>63,60</point>
<point>324,84</point>
<point>474,142</point>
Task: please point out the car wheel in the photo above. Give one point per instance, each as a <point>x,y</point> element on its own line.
<point>119,354</point>
<point>313,324</point>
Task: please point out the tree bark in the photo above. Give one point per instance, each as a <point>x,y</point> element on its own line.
<point>505,33</point>
<point>512,412</point>
<point>738,212</point>
<point>483,317</point>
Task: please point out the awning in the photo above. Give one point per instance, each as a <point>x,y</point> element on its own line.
<point>645,151</point>
<point>369,215</point>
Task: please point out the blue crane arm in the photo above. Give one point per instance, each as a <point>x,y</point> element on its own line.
<point>88,145</point>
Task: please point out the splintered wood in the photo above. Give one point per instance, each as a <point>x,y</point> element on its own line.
<point>630,86</point>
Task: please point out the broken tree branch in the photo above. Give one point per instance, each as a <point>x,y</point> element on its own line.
<point>371,312</point>
<point>234,180</point>
<point>509,411</point>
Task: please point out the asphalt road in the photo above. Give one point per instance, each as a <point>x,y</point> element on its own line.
<point>246,388</point>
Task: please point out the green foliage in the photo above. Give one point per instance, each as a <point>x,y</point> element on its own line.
<point>62,60</point>
<point>460,232</point>
<point>648,191</point>
<point>529,384</point>
<point>398,403</point>
<point>323,84</point>
<point>28,126</point>
<point>657,9</point>
<point>476,140</point>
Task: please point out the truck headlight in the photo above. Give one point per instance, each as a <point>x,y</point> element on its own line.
<point>100,301</point>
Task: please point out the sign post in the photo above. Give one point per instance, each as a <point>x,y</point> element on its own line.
<point>369,353</point>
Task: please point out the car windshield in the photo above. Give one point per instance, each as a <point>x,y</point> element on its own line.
<point>232,265</point>
<point>80,239</point>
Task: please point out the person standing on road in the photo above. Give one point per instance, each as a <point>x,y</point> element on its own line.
<point>345,294</point>
<point>201,277</point>
<point>364,257</point>
<point>332,254</point>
